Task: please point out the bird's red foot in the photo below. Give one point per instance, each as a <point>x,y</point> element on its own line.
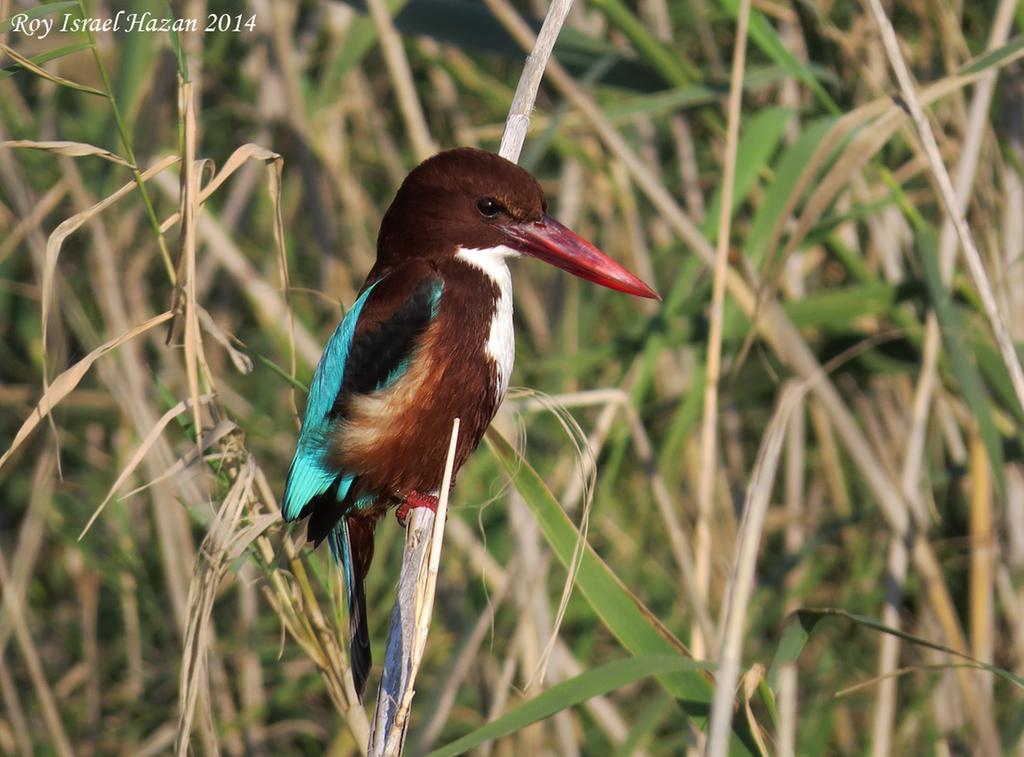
<point>415,499</point>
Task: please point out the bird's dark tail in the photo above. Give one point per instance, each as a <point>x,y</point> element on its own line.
<point>351,543</point>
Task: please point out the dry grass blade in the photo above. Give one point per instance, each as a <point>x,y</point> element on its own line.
<point>65,383</point>
<point>242,362</point>
<point>410,622</point>
<point>28,65</point>
<point>220,430</point>
<point>140,452</point>
<point>236,160</point>
<point>71,149</point>
<point>68,227</point>
<point>224,542</point>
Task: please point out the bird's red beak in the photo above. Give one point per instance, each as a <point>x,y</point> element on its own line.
<point>550,241</point>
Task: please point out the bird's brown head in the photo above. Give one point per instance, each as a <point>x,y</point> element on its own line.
<point>468,199</point>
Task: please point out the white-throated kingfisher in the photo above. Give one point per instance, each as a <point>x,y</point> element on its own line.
<point>429,339</point>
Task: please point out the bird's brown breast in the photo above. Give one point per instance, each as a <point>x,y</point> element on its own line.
<point>396,439</point>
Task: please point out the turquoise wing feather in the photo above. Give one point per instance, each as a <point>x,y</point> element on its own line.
<point>309,476</point>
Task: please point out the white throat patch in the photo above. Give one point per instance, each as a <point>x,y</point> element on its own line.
<point>501,341</point>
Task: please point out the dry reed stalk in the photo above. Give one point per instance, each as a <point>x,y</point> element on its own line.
<point>533,615</point>
<point>87,585</point>
<point>127,588</point>
<point>447,95</point>
<point>500,692</point>
<point>252,695</point>
<point>884,714</point>
<point>29,541</point>
<point>982,562</point>
<point>835,477</point>
<point>794,538</point>
<point>355,205</point>
<point>410,621</point>
<point>709,426</point>
<point>518,121</point>
<point>21,735</point>
<point>283,35</point>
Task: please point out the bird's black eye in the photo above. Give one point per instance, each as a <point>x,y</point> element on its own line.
<point>488,207</point>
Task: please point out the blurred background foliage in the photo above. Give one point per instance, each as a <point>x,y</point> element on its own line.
<point>908,452</point>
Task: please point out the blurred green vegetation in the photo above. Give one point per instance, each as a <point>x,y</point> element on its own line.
<point>834,217</point>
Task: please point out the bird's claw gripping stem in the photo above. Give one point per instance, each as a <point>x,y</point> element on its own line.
<point>415,499</point>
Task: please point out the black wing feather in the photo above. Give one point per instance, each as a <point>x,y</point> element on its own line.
<point>380,348</point>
